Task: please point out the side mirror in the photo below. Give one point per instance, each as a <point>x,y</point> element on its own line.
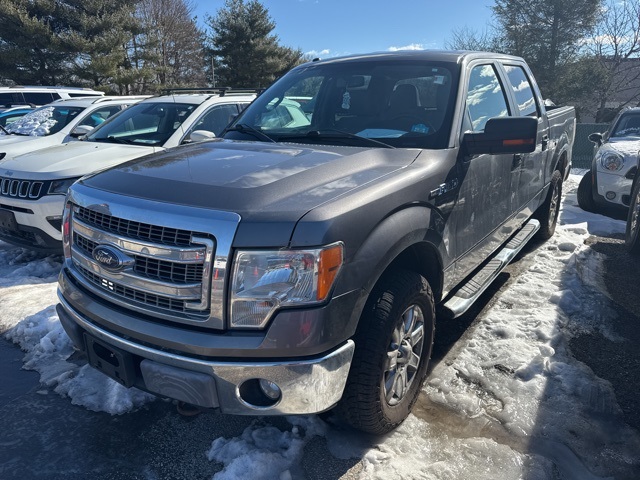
<point>503,135</point>
<point>596,138</point>
<point>80,130</point>
<point>200,135</point>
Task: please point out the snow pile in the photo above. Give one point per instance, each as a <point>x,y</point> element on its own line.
<point>27,314</point>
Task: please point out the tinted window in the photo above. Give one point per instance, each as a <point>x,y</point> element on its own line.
<point>98,116</point>
<point>485,97</point>
<point>627,126</point>
<point>8,99</point>
<point>216,119</point>
<point>522,90</point>
<point>38,98</point>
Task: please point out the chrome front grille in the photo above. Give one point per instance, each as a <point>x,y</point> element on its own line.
<point>133,229</point>
<point>131,294</point>
<point>151,267</point>
<point>164,261</point>
<point>27,189</point>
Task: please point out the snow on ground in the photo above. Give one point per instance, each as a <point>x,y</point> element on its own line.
<point>508,401</point>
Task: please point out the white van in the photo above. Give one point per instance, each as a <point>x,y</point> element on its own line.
<point>37,96</point>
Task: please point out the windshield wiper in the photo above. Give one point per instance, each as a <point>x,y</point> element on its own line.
<point>333,133</point>
<point>5,130</point>
<point>244,128</point>
<point>113,139</point>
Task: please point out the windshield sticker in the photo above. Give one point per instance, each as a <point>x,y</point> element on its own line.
<point>420,128</point>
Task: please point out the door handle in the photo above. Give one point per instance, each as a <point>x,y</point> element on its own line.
<point>545,142</point>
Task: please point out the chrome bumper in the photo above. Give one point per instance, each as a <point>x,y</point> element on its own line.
<point>307,386</point>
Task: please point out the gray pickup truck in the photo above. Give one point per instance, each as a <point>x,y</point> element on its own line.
<point>298,263</point>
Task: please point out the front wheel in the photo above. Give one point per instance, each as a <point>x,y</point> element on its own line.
<point>550,209</point>
<point>632,236</point>
<point>585,193</point>
<point>393,348</point>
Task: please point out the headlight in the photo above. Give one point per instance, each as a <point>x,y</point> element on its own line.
<point>611,161</point>
<point>60,187</point>
<point>263,281</point>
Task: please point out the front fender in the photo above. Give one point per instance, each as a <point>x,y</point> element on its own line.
<point>396,234</point>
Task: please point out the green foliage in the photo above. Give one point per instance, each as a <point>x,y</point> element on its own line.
<point>547,33</point>
<point>243,48</point>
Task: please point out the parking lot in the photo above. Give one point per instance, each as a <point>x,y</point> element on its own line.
<point>538,381</point>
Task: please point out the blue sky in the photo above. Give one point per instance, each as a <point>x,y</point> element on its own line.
<point>327,28</point>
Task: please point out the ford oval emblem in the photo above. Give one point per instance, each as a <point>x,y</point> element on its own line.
<point>111,258</point>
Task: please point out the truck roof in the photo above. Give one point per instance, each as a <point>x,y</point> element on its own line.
<point>453,56</point>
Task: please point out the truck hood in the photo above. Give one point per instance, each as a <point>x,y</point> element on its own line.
<point>264,183</point>
<point>70,160</point>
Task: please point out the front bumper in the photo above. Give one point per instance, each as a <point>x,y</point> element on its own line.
<point>306,385</point>
<point>35,231</point>
<point>615,184</point>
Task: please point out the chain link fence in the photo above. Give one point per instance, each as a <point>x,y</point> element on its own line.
<point>583,149</point>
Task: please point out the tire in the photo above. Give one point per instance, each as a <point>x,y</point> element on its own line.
<point>548,212</point>
<point>585,193</point>
<point>632,235</point>
<point>390,364</point>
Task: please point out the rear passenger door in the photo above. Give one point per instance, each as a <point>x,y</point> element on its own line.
<point>527,168</point>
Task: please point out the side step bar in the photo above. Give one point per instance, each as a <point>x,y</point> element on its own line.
<point>461,300</point>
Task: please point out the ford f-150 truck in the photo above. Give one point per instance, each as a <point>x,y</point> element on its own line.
<point>297,263</point>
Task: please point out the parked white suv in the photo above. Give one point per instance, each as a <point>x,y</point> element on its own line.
<point>33,186</point>
<point>36,96</point>
<point>608,182</point>
<point>59,122</point>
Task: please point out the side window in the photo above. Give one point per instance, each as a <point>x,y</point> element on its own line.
<point>485,97</point>
<point>98,116</point>
<point>9,99</point>
<point>216,119</point>
<point>522,90</point>
<point>38,98</point>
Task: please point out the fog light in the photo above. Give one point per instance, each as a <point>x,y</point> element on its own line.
<point>610,195</point>
<point>270,389</point>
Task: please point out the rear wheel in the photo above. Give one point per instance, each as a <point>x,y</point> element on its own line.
<point>393,347</point>
<point>632,237</point>
<point>585,193</point>
<point>550,209</point>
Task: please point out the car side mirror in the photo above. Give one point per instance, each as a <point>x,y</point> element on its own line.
<point>596,138</point>
<point>80,130</point>
<point>200,135</point>
<point>503,135</point>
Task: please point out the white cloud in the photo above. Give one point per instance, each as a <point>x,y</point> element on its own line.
<point>413,46</point>
<point>315,53</point>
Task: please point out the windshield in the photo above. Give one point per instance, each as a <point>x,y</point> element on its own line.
<point>44,121</point>
<point>150,123</point>
<point>357,103</point>
<point>627,126</point>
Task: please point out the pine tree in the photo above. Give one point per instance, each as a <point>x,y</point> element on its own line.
<point>245,51</point>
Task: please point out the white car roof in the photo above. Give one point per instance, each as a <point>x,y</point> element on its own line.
<point>41,89</point>
<point>87,101</point>
<point>198,98</point>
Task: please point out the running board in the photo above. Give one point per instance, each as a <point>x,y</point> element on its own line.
<point>461,300</point>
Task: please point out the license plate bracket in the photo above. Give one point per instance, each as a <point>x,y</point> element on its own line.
<point>8,220</point>
<point>113,362</point>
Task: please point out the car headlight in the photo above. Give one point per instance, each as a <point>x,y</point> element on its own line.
<point>611,161</point>
<point>60,187</point>
<point>263,281</point>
